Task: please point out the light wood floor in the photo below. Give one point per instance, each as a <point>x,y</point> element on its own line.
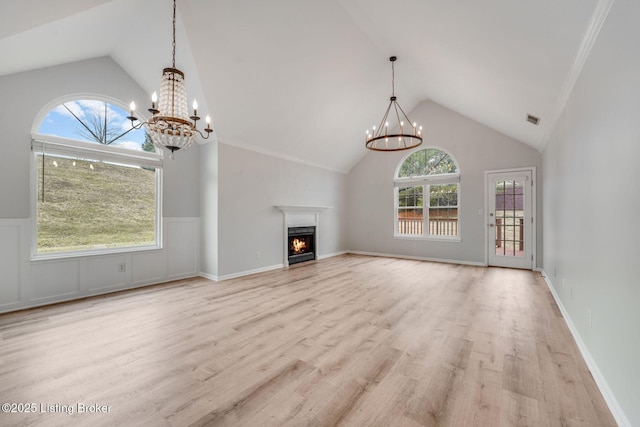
<point>350,340</point>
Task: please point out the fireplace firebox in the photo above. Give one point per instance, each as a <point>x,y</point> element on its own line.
<point>302,245</point>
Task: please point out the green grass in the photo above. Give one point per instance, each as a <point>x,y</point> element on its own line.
<point>104,207</point>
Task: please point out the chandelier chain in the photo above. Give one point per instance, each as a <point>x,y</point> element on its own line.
<point>393,79</point>
<point>174,34</point>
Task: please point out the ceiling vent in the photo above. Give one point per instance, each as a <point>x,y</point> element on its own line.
<point>533,119</point>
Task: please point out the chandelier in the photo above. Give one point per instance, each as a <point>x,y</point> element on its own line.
<point>170,126</point>
<point>407,133</point>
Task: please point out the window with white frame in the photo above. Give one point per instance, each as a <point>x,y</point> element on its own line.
<point>96,182</point>
<point>427,195</point>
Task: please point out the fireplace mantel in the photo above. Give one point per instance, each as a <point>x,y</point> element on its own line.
<point>301,208</point>
<point>300,215</point>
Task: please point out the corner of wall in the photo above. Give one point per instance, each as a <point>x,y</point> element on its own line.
<point>609,397</point>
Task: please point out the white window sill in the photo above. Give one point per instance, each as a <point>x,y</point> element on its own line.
<point>428,238</point>
<point>93,252</point>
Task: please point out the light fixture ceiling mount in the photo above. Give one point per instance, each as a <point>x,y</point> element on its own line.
<point>171,127</point>
<point>405,133</point>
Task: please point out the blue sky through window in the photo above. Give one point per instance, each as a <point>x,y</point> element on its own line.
<point>61,122</point>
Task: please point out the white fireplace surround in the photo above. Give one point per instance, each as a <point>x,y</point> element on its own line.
<point>300,216</point>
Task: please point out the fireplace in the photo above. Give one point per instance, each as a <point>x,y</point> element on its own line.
<point>301,243</point>
<point>303,223</point>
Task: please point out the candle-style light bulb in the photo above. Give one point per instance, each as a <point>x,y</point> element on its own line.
<point>132,112</point>
<point>154,99</point>
<point>195,107</point>
<point>208,120</point>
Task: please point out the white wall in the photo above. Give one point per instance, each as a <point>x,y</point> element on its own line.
<point>209,210</point>
<point>181,182</point>
<point>250,234</point>
<point>25,283</point>
<point>592,209</point>
<point>475,147</point>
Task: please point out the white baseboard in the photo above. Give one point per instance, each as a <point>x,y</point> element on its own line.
<point>259,270</point>
<point>208,276</point>
<point>241,273</point>
<point>332,255</point>
<point>417,258</point>
<point>608,395</point>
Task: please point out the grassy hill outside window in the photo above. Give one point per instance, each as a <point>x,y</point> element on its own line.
<point>96,183</point>
<point>427,196</point>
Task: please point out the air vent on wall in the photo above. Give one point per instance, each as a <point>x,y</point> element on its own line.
<point>533,119</point>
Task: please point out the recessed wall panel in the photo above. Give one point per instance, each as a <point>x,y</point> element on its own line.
<point>182,243</point>
<point>54,280</point>
<point>9,264</point>
<point>107,272</point>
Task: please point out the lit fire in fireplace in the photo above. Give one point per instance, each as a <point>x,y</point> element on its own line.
<point>299,245</point>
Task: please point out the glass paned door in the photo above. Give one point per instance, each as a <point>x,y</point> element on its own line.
<point>510,220</point>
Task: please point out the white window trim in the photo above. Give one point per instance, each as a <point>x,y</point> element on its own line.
<point>425,226</point>
<point>425,181</point>
<point>95,151</point>
<point>67,147</point>
<point>447,239</point>
<point>445,178</point>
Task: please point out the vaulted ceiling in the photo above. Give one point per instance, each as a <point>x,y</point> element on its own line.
<point>303,79</point>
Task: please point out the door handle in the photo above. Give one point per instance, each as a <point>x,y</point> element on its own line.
<point>490,225</point>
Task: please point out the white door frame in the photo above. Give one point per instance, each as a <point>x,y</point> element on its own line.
<point>488,239</point>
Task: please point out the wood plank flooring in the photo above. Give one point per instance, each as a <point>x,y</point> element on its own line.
<point>350,340</point>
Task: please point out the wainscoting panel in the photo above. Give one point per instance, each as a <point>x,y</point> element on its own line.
<point>148,267</point>
<point>107,272</point>
<point>10,249</point>
<point>55,280</point>
<point>183,243</point>
<point>28,283</point>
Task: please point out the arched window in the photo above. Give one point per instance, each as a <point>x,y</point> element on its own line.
<point>97,180</point>
<point>427,195</point>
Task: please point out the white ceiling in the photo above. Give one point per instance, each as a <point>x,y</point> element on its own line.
<point>303,79</point>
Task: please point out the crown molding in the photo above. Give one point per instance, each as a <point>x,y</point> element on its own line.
<point>598,18</point>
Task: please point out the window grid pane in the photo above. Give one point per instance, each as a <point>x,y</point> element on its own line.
<point>84,205</point>
<point>427,162</point>
<point>95,121</point>
<point>410,210</point>
<point>443,210</point>
<point>509,218</point>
